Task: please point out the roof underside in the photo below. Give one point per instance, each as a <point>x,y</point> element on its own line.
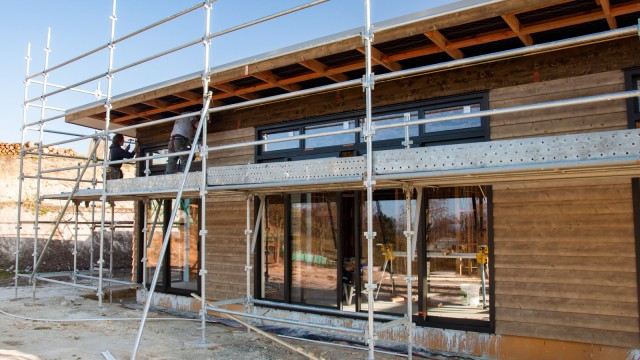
<point>434,39</point>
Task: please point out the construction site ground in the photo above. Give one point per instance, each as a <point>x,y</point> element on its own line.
<point>61,323</point>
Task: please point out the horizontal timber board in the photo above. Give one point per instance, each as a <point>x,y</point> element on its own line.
<point>568,291</point>
<point>552,276</point>
<point>588,321</point>
<point>554,305</point>
<point>568,333</point>
<point>569,263</point>
<point>559,248</point>
<point>610,235</point>
<point>560,85</point>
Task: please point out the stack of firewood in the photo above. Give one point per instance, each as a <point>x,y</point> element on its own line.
<point>14,149</point>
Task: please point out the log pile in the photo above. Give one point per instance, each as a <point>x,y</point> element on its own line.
<point>14,149</point>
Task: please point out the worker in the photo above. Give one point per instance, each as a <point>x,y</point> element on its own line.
<point>116,153</point>
<point>181,139</point>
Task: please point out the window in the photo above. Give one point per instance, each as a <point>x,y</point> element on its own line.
<point>283,145</point>
<point>179,273</point>
<point>449,131</point>
<point>447,125</point>
<point>334,140</point>
<point>456,280</point>
<point>632,82</point>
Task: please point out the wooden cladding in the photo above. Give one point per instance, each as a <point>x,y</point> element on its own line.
<point>600,116</point>
<point>565,264</point>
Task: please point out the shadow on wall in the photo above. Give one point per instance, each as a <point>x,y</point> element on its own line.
<point>59,255</point>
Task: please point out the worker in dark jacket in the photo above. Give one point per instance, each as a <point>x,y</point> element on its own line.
<point>116,152</point>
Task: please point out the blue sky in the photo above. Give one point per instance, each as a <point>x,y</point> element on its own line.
<point>78,26</point>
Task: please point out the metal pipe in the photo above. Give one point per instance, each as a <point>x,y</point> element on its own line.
<point>333,312</point>
<point>47,52</point>
<point>113,235</point>
<point>56,155</point>
<point>59,219</point>
<point>60,87</point>
<point>75,243</point>
<point>45,279</point>
<point>475,60</point>
<point>63,89</point>
<point>79,138</point>
<point>145,238</point>
<point>63,133</point>
<point>165,242</point>
<point>115,281</point>
<point>115,41</point>
<point>25,110</point>
<point>248,234</point>
<point>42,121</point>
<point>266,18</point>
<point>368,83</point>
<point>105,163</point>
<point>408,192</point>
<point>55,178</point>
<point>161,54</point>
<point>286,321</point>
<point>47,107</point>
<point>204,154</point>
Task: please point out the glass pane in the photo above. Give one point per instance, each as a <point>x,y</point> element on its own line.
<point>393,133</point>
<point>457,283</point>
<point>183,249</point>
<point>283,145</point>
<point>452,124</point>
<point>273,267</point>
<point>389,254</point>
<point>343,139</point>
<point>156,211</point>
<point>313,244</point>
<point>158,161</point>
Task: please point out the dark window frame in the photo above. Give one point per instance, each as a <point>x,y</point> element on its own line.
<point>166,270</point>
<point>480,133</point>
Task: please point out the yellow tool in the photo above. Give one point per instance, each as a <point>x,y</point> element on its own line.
<point>482,255</point>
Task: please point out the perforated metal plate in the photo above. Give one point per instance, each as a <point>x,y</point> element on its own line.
<point>291,171</point>
<point>551,150</point>
<point>153,183</point>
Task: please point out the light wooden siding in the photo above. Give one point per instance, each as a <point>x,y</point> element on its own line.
<point>235,156</point>
<point>565,265</point>
<point>598,116</point>
<point>226,223</point>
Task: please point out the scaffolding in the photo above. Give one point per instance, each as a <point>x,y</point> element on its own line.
<point>369,172</point>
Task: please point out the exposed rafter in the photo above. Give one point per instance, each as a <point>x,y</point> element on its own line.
<point>392,58</point>
<point>442,42</point>
<point>381,59</point>
<point>235,91</point>
<point>321,69</point>
<point>273,79</point>
<point>515,25</point>
<point>606,9</point>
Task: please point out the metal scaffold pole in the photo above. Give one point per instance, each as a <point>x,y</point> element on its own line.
<point>105,162</point>
<point>75,239</point>
<point>43,100</point>
<point>165,241</point>
<point>204,154</point>
<point>408,192</point>
<point>25,110</point>
<point>367,83</point>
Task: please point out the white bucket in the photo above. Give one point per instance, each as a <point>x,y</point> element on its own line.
<point>470,294</point>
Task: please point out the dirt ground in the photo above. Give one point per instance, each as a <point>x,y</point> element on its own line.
<point>69,326</point>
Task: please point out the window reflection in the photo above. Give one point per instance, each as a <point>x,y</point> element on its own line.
<point>334,140</point>
<point>282,145</point>
<point>393,133</point>
<point>389,253</point>
<point>183,250</point>
<point>452,124</point>
<point>456,230</point>
<point>155,215</point>
<point>274,248</point>
<point>314,240</point>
